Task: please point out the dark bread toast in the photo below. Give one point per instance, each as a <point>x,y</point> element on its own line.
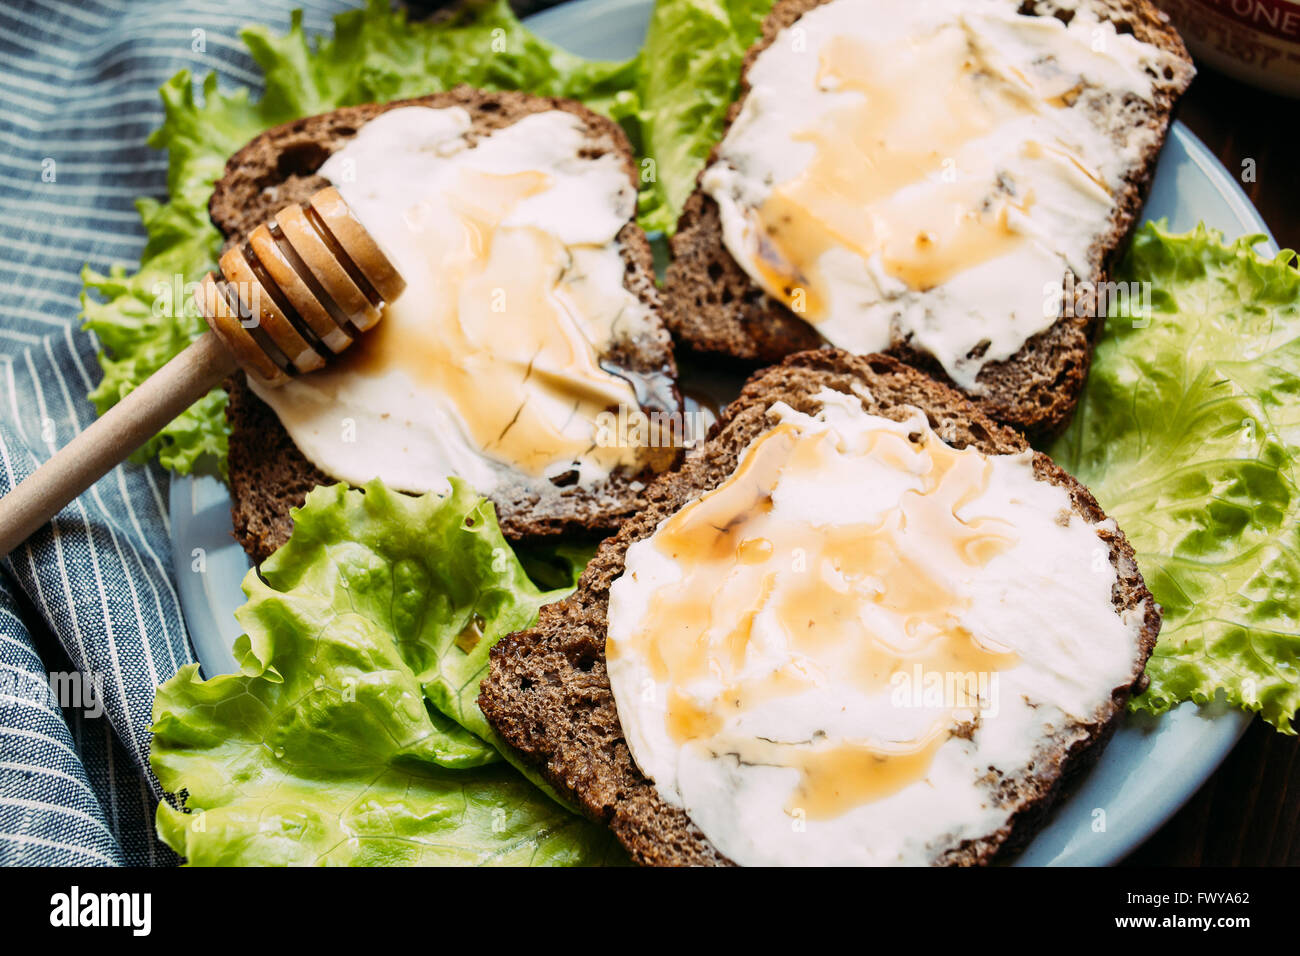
<point>712,305</point>
<point>548,694</point>
<point>268,474</point>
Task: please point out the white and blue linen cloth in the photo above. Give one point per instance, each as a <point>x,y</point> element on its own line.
<point>90,621</point>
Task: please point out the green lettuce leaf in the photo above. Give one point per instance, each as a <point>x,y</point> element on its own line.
<point>145,318</point>
<point>1189,436</point>
<point>556,565</point>
<point>346,738</point>
<point>690,75</point>
<point>436,575</point>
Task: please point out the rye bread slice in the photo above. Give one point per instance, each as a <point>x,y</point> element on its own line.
<point>269,474</point>
<point>548,694</point>
<point>712,305</point>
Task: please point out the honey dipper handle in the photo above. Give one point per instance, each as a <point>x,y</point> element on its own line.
<point>111,438</point>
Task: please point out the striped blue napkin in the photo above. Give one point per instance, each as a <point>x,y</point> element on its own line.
<point>90,621</point>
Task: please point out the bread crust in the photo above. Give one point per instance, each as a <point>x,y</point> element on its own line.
<point>713,307</point>
<point>269,475</point>
<point>548,694</point>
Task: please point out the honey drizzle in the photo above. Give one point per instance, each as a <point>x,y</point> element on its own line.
<point>884,178</point>
<point>520,375</point>
<point>742,559</point>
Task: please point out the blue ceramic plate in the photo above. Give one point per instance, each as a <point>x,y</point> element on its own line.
<point>1151,767</point>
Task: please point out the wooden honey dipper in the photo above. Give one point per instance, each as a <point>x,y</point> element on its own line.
<point>297,291</point>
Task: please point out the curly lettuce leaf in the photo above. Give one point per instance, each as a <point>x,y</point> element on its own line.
<point>376,55</point>
<point>689,76</point>
<point>1189,435</point>
<point>346,738</point>
<point>435,574</point>
<point>145,318</point>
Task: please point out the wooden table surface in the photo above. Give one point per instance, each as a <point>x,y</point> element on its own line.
<point>1248,813</point>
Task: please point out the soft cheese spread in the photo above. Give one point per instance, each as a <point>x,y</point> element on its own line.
<point>821,659</point>
<point>927,170</point>
<point>490,365</point>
